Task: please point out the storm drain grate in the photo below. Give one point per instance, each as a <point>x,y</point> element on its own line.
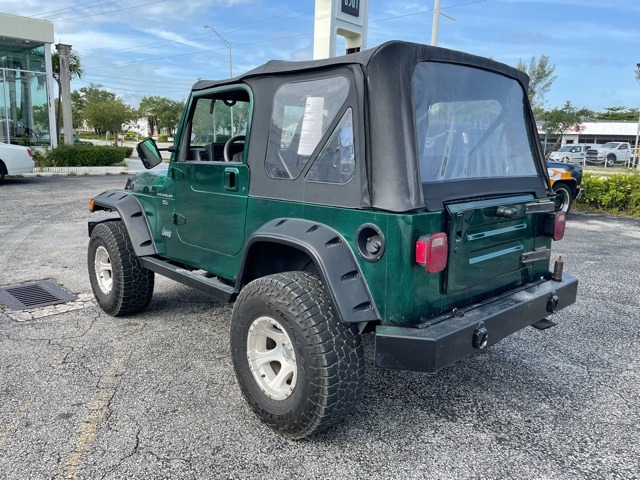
<point>33,295</point>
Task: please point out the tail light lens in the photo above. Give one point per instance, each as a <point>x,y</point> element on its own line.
<point>432,252</point>
<point>558,225</point>
<point>29,152</point>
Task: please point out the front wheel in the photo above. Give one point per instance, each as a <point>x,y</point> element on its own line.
<point>611,160</point>
<point>120,284</point>
<point>298,366</point>
<point>563,197</point>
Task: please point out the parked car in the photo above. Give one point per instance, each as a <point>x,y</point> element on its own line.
<point>76,141</point>
<point>410,202</point>
<point>15,159</point>
<point>571,153</point>
<point>566,183</point>
<point>609,154</point>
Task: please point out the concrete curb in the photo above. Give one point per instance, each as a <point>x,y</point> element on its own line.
<point>80,170</point>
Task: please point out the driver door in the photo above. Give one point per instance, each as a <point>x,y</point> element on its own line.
<point>211,193</point>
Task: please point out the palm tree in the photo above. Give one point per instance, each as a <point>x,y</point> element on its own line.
<point>75,71</point>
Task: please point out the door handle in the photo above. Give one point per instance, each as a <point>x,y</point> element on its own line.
<point>231,179</point>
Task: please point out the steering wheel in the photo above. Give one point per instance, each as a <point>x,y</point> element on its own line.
<point>227,146</point>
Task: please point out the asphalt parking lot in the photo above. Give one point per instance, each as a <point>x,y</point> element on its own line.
<point>84,395</point>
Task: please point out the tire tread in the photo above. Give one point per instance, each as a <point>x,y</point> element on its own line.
<point>134,292</point>
<point>337,374</point>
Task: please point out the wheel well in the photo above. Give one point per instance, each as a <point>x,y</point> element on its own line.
<point>267,258</point>
<point>3,167</point>
<point>568,183</point>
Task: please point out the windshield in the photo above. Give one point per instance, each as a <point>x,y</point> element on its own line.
<point>566,148</point>
<point>610,145</point>
<point>470,123</point>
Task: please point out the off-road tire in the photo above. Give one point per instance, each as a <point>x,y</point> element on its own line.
<point>132,285</point>
<point>564,197</point>
<point>329,356</point>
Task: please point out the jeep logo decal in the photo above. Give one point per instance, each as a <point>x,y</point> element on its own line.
<point>166,232</point>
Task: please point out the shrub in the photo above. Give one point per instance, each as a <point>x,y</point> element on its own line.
<point>40,156</point>
<point>618,193</point>
<point>85,156</point>
<point>163,137</point>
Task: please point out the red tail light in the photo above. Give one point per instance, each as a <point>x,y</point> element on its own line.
<point>432,252</point>
<point>29,152</point>
<point>558,225</point>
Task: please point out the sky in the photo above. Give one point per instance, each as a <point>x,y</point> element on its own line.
<point>160,47</point>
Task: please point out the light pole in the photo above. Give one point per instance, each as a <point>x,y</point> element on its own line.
<point>638,129</point>
<point>230,64</point>
<point>436,18</point>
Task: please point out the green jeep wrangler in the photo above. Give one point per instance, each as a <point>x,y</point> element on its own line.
<point>400,191</point>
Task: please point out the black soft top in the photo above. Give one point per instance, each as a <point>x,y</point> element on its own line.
<point>391,180</point>
<point>395,49</point>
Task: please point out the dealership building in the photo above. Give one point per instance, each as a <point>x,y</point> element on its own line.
<point>26,81</point>
<point>595,132</point>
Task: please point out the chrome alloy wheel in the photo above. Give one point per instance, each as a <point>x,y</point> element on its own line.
<point>272,359</point>
<point>103,269</point>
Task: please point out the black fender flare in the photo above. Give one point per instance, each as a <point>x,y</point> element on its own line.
<point>333,257</point>
<point>131,214</point>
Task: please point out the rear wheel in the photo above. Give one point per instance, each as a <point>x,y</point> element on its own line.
<point>564,199</point>
<point>120,284</point>
<point>298,366</point>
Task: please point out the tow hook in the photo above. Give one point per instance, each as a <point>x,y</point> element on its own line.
<point>480,337</point>
<point>552,303</point>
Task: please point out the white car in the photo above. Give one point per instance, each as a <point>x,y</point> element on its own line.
<point>571,153</point>
<point>15,159</point>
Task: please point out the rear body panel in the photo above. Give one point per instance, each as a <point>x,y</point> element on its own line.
<point>484,245</point>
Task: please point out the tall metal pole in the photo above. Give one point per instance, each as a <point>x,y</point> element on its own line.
<point>230,64</point>
<point>637,153</point>
<point>436,18</point>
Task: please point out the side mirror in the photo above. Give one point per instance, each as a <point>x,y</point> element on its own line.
<point>149,153</point>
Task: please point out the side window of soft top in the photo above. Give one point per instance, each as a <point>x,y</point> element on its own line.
<point>301,115</point>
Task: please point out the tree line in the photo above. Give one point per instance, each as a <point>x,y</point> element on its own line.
<point>105,112</point>
<point>560,120</point>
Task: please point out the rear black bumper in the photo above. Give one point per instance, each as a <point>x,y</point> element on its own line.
<point>443,343</point>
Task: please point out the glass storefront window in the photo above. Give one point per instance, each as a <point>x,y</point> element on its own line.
<point>21,55</point>
<point>24,115</point>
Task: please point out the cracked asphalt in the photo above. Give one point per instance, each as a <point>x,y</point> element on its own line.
<point>84,395</point>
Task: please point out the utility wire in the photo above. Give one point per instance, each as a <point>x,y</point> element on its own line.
<point>65,8</point>
<point>202,51</point>
<point>234,28</point>
<point>111,11</point>
<point>127,89</point>
<point>426,11</point>
<point>134,79</point>
<point>149,60</point>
